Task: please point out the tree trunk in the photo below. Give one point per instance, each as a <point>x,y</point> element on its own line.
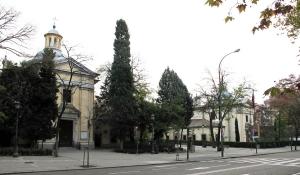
<point>211,128</point>
<point>218,137</point>
<point>142,130</point>
<point>55,151</point>
<point>180,141</point>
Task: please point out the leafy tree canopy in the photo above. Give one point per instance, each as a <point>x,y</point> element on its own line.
<point>281,13</point>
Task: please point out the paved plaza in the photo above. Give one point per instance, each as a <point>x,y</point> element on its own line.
<point>73,159</point>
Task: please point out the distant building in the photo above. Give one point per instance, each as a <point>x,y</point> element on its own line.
<point>199,126</point>
<point>80,106</point>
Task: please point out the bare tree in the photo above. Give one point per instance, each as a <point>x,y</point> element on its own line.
<point>68,84</point>
<point>222,103</point>
<point>12,37</point>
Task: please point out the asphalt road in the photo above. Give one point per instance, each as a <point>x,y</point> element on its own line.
<point>273,164</point>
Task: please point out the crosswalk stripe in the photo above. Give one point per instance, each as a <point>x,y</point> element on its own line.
<point>284,162</point>
<point>201,168</point>
<point>270,161</point>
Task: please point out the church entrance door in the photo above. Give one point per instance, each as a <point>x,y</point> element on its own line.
<point>66,133</point>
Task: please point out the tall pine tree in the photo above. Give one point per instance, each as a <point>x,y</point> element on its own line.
<point>41,108</point>
<point>175,101</point>
<point>121,87</point>
<point>48,98</point>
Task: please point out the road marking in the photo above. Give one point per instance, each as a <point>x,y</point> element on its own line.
<point>200,168</point>
<point>284,162</point>
<point>294,164</point>
<point>125,172</point>
<point>228,169</point>
<point>296,173</point>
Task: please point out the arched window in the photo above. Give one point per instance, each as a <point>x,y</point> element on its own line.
<point>55,41</point>
<point>49,41</point>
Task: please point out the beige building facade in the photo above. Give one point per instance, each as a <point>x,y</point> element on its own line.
<point>199,127</point>
<point>76,123</point>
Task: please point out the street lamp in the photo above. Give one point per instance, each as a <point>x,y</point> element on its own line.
<point>16,151</point>
<point>137,139</point>
<point>152,119</point>
<point>219,97</point>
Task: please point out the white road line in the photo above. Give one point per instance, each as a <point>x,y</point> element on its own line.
<point>284,162</point>
<point>296,164</point>
<point>268,161</point>
<point>125,172</point>
<point>228,169</point>
<point>200,168</point>
<point>296,173</point>
<point>239,161</point>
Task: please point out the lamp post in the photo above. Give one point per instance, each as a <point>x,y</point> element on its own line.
<point>152,118</point>
<point>16,151</point>
<point>137,139</point>
<point>220,99</point>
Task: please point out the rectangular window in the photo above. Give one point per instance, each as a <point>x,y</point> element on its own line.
<point>184,137</point>
<point>67,95</point>
<point>247,118</point>
<point>194,137</point>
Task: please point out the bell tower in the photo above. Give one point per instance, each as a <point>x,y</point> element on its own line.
<point>53,39</point>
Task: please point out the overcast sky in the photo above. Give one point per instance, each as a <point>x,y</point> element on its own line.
<point>188,36</point>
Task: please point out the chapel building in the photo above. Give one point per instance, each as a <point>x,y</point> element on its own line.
<point>76,124</point>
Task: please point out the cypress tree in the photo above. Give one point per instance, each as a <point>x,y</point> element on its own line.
<point>121,87</point>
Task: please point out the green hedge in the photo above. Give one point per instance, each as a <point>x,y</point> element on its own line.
<point>25,152</point>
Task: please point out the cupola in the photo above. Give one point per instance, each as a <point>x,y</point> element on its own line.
<point>53,39</point>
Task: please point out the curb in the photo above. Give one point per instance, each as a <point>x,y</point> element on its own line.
<point>166,163</point>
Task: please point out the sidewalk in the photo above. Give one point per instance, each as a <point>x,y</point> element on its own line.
<point>72,159</point>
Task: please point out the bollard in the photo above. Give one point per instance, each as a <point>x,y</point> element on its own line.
<point>83,157</point>
<point>177,156</point>
<point>255,147</point>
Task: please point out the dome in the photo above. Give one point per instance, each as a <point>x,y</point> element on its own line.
<point>53,31</point>
<point>59,57</point>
